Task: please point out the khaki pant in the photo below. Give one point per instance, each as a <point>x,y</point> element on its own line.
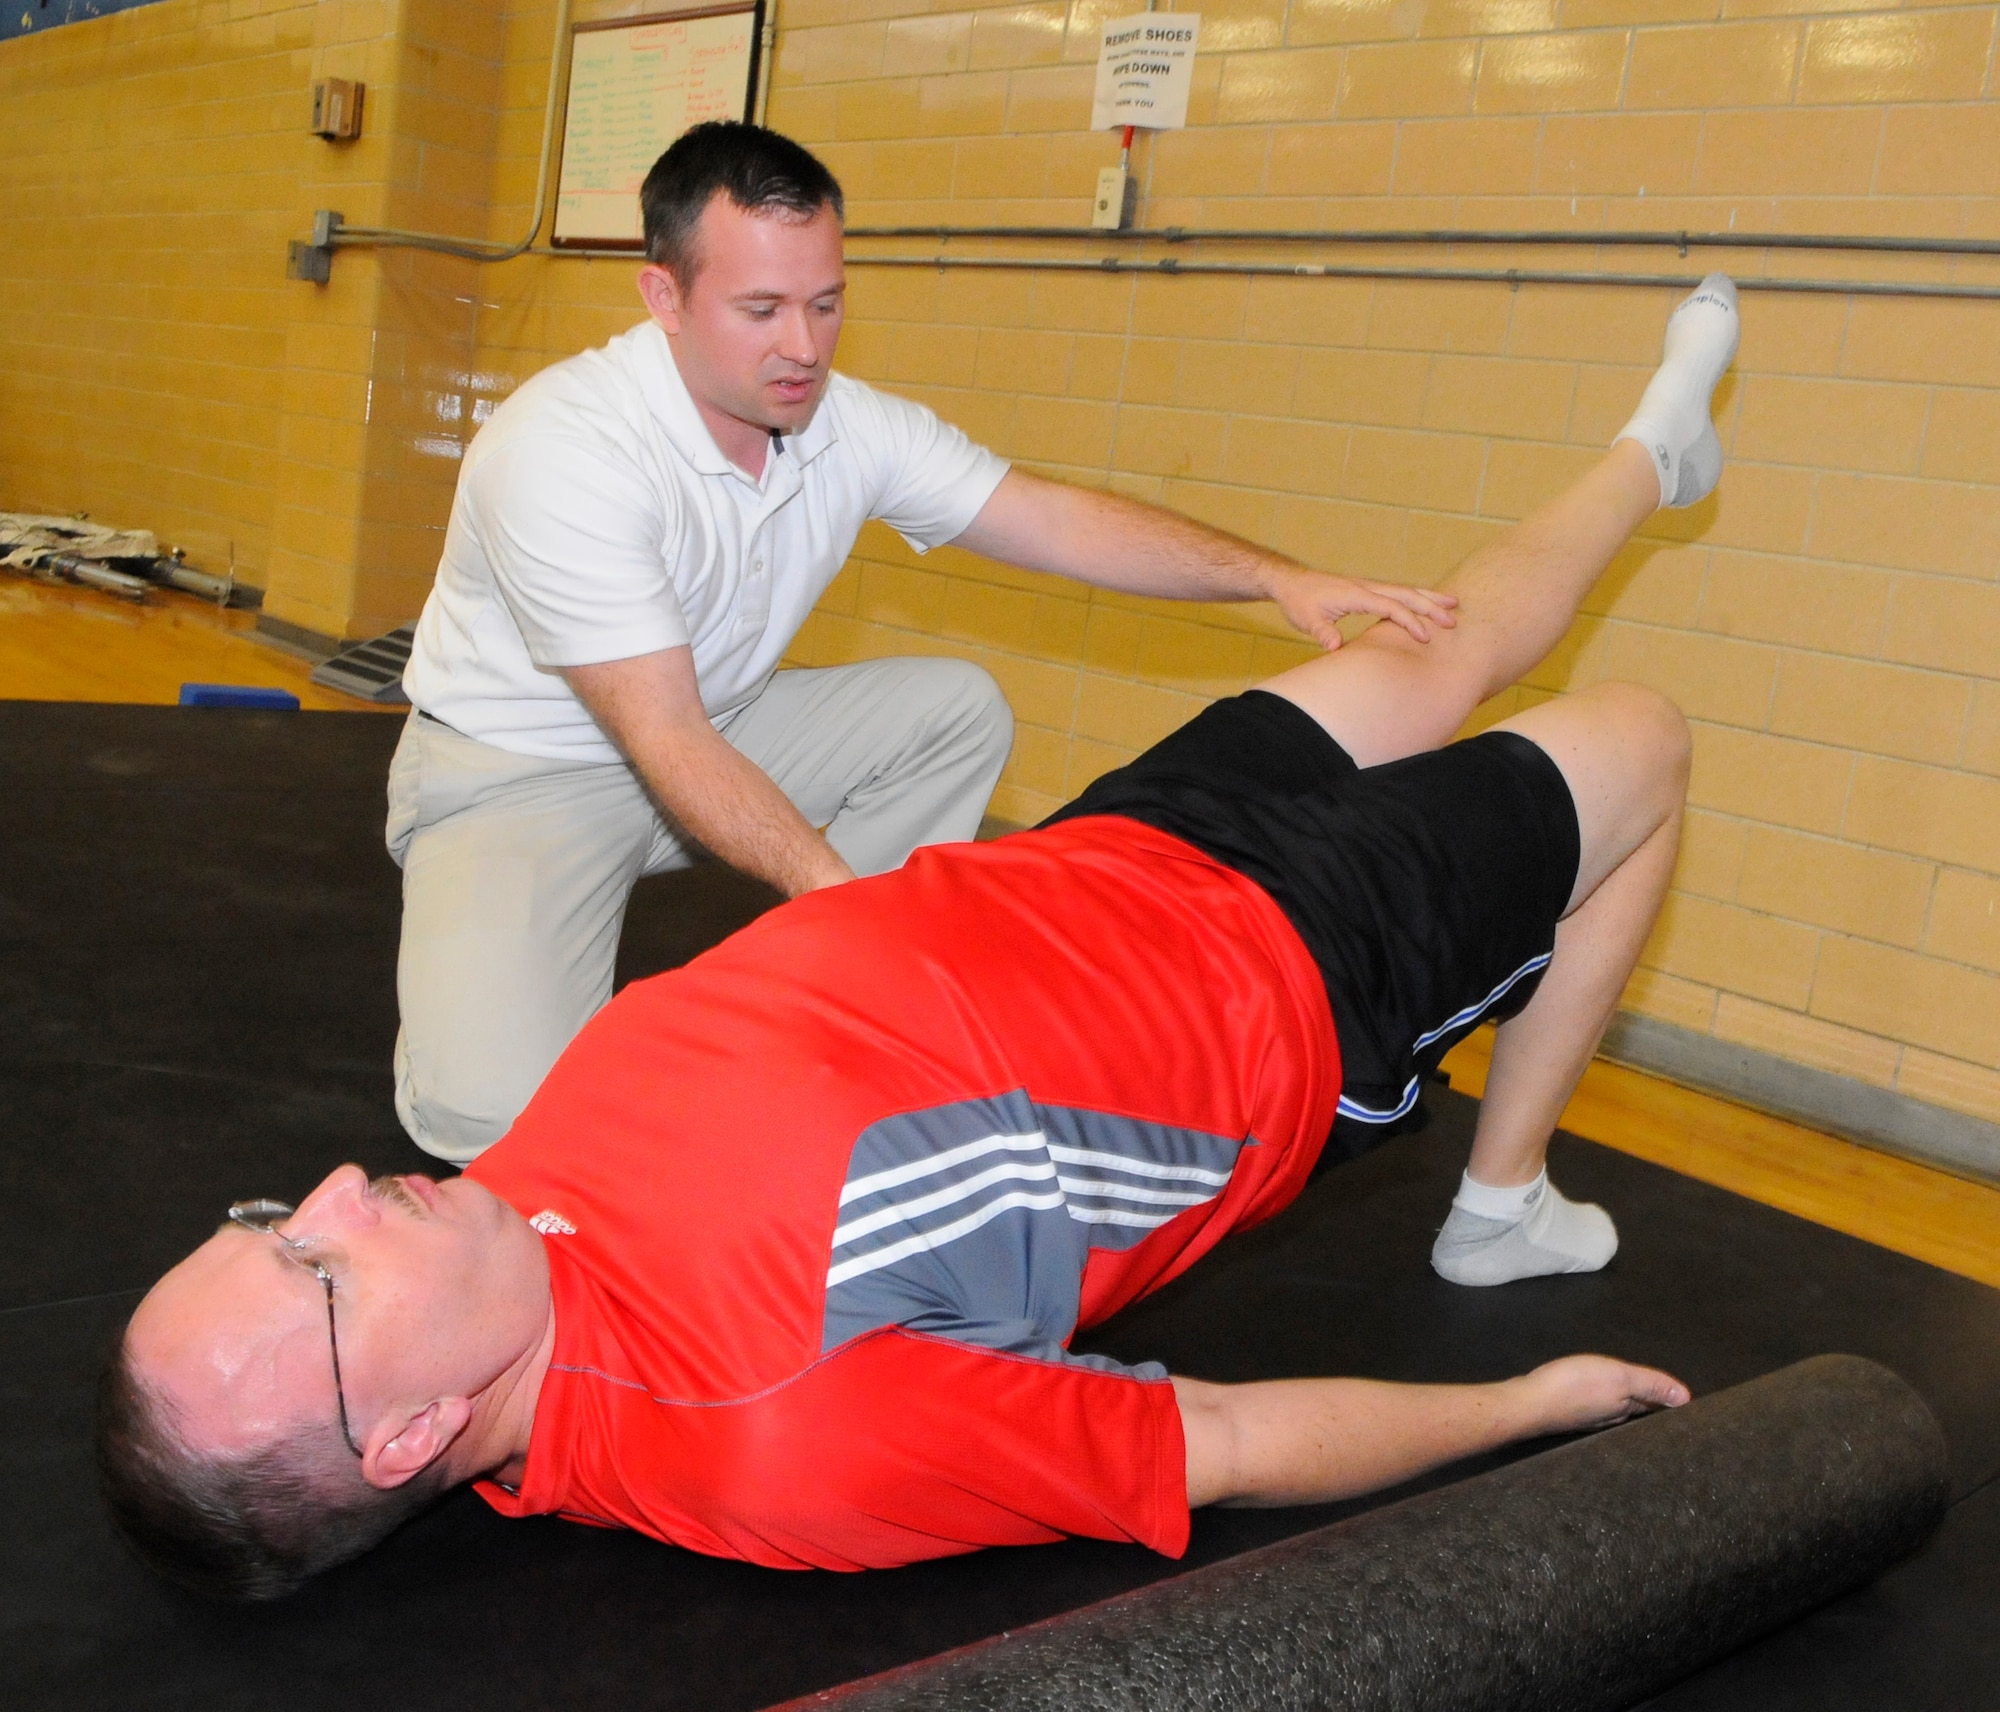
<point>516,870</point>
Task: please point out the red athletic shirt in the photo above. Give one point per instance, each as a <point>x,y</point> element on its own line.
<point>823,1208</point>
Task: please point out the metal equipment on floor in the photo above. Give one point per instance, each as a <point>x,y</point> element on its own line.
<point>372,670</point>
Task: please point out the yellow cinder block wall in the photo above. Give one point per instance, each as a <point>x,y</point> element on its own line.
<point>1830,620</point>
<point>157,368</point>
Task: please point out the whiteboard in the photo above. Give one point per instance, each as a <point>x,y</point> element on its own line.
<point>635,84</point>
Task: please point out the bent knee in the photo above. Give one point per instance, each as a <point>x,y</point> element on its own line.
<point>450,1133</point>
<point>1652,723</point>
<point>456,1117</point>
<point>967,698</point>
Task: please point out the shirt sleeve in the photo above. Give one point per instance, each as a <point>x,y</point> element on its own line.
<point>900,1447</point>
<point>934,480</point>
<point>576,541</point>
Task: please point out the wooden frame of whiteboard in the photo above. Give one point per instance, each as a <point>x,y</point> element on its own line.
<point>753,8</point>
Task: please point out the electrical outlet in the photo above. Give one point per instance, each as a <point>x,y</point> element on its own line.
<point>1117,196</point>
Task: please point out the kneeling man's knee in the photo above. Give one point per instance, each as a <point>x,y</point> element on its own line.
<point>457,1117</point>
<point>965,696</point>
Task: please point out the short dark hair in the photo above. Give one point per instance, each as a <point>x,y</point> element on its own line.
<point>252,1526</point>
<point>755,168</point>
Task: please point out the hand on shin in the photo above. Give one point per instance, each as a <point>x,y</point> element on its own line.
<point>1672,421</point>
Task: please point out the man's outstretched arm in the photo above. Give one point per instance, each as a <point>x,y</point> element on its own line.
<point>1311,1441</point>
<point>1141,549</point>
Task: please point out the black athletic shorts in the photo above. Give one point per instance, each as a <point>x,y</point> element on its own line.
<point>1428,890</point>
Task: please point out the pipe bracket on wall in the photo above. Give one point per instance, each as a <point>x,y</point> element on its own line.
<point>312,258</point>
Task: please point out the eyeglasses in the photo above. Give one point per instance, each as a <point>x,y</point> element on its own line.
<point>261,1216</point>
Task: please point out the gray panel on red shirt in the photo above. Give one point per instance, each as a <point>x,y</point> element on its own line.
<point>974,1220</point>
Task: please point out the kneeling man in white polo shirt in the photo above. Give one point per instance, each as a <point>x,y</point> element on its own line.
<point>637,536</point>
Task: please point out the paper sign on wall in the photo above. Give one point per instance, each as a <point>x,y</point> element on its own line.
<point>1145,68</point>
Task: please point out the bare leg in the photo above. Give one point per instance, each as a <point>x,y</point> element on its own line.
<point>1386,695</point>
<point>1624,753</point>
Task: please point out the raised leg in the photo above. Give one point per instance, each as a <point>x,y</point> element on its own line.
<point>1622,750</point>
<point>1386,695</point>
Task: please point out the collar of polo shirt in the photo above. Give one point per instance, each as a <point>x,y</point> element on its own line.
<point>672,403</point>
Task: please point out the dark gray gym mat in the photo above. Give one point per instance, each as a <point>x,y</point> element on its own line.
<point>157,1062</point>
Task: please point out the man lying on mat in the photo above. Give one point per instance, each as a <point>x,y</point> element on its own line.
<point>784,1259</point>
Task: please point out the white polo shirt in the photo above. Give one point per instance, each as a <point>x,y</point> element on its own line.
<point>596,519</point>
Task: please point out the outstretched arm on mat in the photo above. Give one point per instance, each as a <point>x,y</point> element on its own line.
<point>1312,1441</point>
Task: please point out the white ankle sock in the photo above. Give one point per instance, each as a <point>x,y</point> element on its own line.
<point>1492,1202</point>
<point>1672,420</point>
<point>1495,1235</point>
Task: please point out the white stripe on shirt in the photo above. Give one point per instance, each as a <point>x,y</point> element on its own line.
<point>901,1212</point>
<point>1138,1167</point>
<point>938,1238</point>
<point>932,1163</point>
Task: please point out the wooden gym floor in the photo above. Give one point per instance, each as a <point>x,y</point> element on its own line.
<point>69,644</point>
<point>61,643</point>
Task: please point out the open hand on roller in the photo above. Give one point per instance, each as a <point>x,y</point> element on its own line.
<point>1581,1393</point>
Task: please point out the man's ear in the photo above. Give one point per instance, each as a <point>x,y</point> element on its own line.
<point>662,295</point>
<point>423,1438</point>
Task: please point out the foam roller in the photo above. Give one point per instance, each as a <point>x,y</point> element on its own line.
<point>1587,1577</point>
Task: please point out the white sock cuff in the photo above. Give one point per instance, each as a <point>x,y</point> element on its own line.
<point>1484,1200</point>
<point>1648,436</point>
